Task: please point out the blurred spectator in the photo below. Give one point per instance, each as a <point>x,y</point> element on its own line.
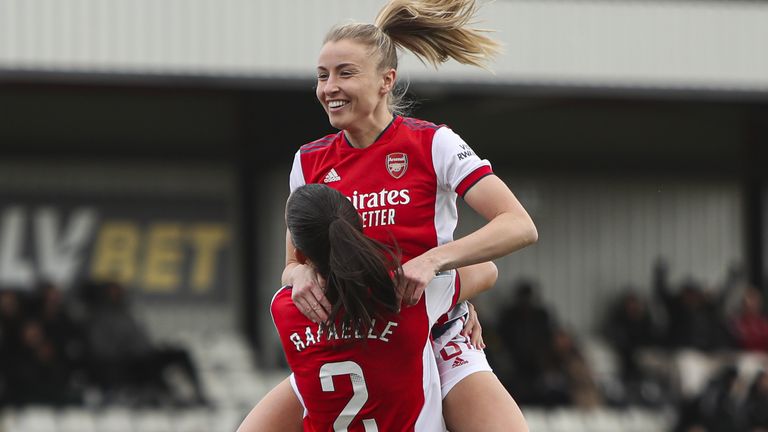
<point>39,376</point>
<point>693,319</point>
<point>49,352</point>
<point>567,374</point>
<point>526,329</point>
<point>62,326</point>
<point>756,404</point>
<point>122,355</point>
<point>10,341</point>
<point>34,369</point>
<point>749,326</point>
<point>547,366</point>
<point>717,408</point>
<point>631,327</point>
<point>634,334</point>
<point>10,319</point>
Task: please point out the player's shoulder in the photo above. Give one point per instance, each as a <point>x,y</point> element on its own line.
<point>418,125</point>
<point>282,308</point>
<point>421,133</point>
<point>323,143</point>
<point>282,296</point>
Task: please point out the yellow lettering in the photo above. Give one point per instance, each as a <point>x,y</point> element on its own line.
<point>207,240</point>
<point>163,258</point>
<point>115,252</point>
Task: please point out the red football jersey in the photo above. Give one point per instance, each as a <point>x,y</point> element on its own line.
<point>384,380</point>
<point>404,185</point>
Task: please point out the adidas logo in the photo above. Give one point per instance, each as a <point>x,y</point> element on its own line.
<point>458,362</point>
<point>331,177</point>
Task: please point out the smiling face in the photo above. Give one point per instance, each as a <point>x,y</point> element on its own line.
<point>350,87</point>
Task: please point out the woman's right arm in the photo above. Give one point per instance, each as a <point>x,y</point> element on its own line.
<point>476,279</point>
<point>509,228</point>
<point>307,293</point>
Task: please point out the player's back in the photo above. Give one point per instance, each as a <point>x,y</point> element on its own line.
<point>383,380</point>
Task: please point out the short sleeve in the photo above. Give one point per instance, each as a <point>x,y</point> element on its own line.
<point>297,173</point>
<point>279,301</point>
<point>456,165</point>
<point>441,294</point>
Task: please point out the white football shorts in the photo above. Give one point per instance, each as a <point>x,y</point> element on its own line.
<point>456,357</point>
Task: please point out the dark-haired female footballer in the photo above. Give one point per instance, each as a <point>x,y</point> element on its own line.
<point>403,176</point>
<point>371,366</point>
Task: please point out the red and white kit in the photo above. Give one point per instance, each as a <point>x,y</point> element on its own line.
<point>383,380</point>
<point>405,187</point>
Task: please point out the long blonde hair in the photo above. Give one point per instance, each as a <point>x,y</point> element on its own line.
<point>433,30</point>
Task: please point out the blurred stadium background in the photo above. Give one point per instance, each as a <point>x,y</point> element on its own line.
<point>145,148</point>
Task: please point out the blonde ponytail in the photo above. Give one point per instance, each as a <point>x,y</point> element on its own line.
<point>437,30</point>
<point>433,30</point>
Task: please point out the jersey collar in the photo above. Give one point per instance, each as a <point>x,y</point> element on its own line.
<point>385,136</point>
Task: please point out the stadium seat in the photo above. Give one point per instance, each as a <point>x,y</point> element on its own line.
<point>694,369</point>
<point>602,420</point>
<point>191,421</point>
<point>217,388</point>
<point>152,421</point>
<point>750,364</point>
<point>227,351</point>
<point>641,420</point>
<point>114,420</point>
<point>8,420</point>
<point>601,359</point>
<point>246,387</point>
<point>76,420</point>
<point>37,419</point>
<point>536,419</point>
<point>565,420</point>
<point>227,420</point>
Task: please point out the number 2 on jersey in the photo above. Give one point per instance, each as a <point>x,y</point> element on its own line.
<point>359,393</point>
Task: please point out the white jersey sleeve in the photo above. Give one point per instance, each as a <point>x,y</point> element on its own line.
<point>297,174</point>
<point>453,159</point>
<point>441,295</point>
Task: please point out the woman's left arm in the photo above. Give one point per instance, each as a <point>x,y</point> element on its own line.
<point>509,228</point>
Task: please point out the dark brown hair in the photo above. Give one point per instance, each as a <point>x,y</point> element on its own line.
<point>361,273</point>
